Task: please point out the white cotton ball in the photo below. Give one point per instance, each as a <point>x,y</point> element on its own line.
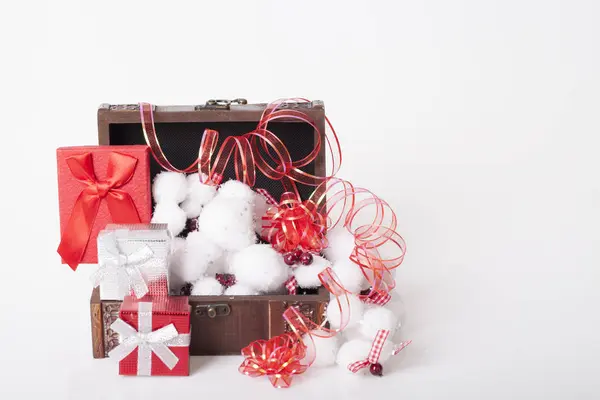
<point>260,209</point>
<point>198,195</point>
<point>324,350</point>
<point>308,275</point>
<point>352,333</point>
<point>169,187</point>
<point>228,222</point>
<point>349,275</point>
<point>234,189</point>
<point>340,244</point>
<point>352,351</point>
<point>259,267</point>
<point>352,311</point>
<point>170,214</point>
<point>207,286</point>
<point>240,290</point>
<point>200,253</point>
<point>175,260</point>
<point>217,267</point>
<point>377,318</point>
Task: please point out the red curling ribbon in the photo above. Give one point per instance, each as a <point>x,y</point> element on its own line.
<point>259,149</point>
<point>119,171</point>
<point>279,358</point>
<point>294,224</point>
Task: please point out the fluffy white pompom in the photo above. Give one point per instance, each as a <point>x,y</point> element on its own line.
<point>200,253</point>
<point>240,290</point>
<point>198,195</point>
<point>352,351</point>
<point>169,187</point>
<point>234,189</point>
<point>340,244</point>
<point>324,351</point>
<point>217,267</point>
<point>308,275</point>
<point>207,286</point>
<point>358,350</point>
<point>350,275</point>
<point>352,309</point>
<point>170,214</point>
<point>260,209</point>
<point>377,318</point>
<point>175,260</point>
<point>228,222</point>
<point>259,267</point>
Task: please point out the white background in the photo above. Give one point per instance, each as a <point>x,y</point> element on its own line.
<point>477,120</point>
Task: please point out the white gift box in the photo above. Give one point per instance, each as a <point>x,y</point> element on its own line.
<point>132,260</point>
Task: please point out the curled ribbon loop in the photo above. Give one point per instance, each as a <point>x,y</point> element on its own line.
<point>119,172</point>
<point>259,149</point>
<point>279,358</point>
<point>125,266</point>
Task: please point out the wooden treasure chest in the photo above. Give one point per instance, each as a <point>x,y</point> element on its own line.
<point>221,325</point>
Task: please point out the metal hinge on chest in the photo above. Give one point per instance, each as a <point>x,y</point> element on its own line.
<point>221,104</point>
<point>212,310</point>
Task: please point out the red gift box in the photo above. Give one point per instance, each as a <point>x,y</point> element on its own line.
<point>98,185</point>
<point>155,336</point>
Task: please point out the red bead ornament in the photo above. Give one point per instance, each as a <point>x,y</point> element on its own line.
<point>376,369</point>
<point>297,253</point>
<point>290,258</point>
<point>306,259</point>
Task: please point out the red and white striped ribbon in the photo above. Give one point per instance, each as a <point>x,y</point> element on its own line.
<point>378,297</point>
<point>270,199</point>
<point>292,285</point>
<point>400,347</point>
<point>373,357</point>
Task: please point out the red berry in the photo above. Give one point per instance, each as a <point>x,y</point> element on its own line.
<point>376,369</point>
<point>306,259</point>
<point>297,253</point>
<point>290,258</point>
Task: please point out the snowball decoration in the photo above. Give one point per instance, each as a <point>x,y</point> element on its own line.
<point>169,187</point>
<point>228,222</point>
<point>352,351</point>
<point>216,267</point>
<point>198,195</point>
<point>307,276</point>
<point>175,260</point>
<point>240,290</point>
<point>233,189</point>
<point>200,252</point>
<point>169,213</point>
<point>324,350</point>
<point>350,275</point>
<point>340,244</point>
<point>353,311</point>
<point>376,318</point>
<point>260,267</point>
<point>207,286</point>
<point>260,209</point>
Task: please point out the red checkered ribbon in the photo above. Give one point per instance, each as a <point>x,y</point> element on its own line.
<point>374,354</point>
<point>270,199</point>
<point>378,297</point>
<point>292,285</point>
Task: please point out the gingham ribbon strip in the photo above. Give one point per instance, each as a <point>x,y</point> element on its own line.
<point>379,298</point>
<point>400,347</point>
<point>374,354</point>
<point>270,199</point>
<point>147,341</point>
<point>292,285</point>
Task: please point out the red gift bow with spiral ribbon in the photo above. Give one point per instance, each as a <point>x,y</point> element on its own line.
<point>375,352</point>
<point>122,209</point>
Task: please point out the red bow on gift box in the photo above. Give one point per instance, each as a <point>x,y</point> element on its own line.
<point>122,209</point>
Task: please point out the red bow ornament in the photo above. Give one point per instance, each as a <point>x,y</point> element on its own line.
<point>120,170</point>
<point>279,358</point>
<point>372,360</point>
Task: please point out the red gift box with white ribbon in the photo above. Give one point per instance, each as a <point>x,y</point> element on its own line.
<point>154,336</point>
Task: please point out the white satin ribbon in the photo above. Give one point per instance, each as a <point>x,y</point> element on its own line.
<point>147,341</point>
<point>125,266</point>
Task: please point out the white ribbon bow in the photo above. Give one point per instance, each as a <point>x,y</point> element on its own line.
<point>125,266</point>
<point>147,341</point>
